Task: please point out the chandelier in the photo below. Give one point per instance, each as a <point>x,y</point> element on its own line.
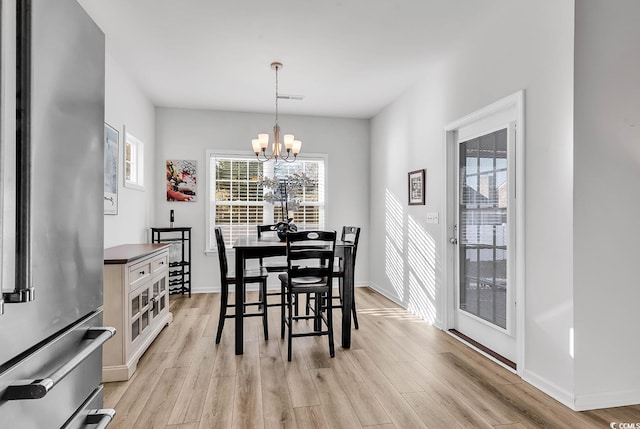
<point>291,145</point>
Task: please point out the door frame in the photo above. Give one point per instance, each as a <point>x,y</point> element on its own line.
<point>512,105</point>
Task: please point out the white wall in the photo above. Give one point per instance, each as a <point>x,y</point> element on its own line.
<point>606,203</point>
<point>528,46</point>
<point>126,105</point>
<point>188,134</point>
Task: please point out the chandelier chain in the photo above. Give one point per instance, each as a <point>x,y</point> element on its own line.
<point>277,94</point>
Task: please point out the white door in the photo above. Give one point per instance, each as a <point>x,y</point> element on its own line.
<point>485,232</point>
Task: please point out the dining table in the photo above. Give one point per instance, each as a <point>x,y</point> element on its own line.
<point>247,248</point>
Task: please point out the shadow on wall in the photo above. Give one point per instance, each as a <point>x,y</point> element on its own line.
<point>410,260</point>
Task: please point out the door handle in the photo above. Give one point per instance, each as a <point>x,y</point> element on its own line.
<point>36,389</point>
<point>102,418</point>
<point>453,240</point>
<point>23,289</point>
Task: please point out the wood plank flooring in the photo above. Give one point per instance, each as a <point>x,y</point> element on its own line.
<point>399,373</point>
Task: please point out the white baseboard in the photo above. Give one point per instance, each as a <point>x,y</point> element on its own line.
<point>437,323</point>
<point>591,401</point>
<point>384,293</point>
<point>556,392</point>
<point>594,401</point>
<point>205,290</point>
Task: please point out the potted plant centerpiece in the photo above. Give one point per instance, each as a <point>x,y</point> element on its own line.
<point>286,191</point>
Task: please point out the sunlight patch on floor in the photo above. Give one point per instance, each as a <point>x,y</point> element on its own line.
<point>390,313</point>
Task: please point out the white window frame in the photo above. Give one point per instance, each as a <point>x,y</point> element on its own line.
<point>136,162</point>
<point>210,207</point>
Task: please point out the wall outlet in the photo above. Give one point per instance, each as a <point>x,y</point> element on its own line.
<point>432,217</point>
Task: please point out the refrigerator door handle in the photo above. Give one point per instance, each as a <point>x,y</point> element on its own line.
<point>38,388</point>
<point>102,418</point>
<point>24,291</point>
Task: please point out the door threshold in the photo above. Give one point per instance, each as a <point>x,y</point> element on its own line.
<point>485,350</point>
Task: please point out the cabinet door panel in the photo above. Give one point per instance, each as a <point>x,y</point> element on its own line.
<point>139,320</point>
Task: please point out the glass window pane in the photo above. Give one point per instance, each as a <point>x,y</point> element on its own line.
<point>239,192</point>
<point>483,226</point>
<point>135,329</point>
<point>144,320</point>
<point>255,170</point>
<point>144,297</point>
<point>135,305</point>
<point>486,147</point>
<point>239,170</point>
<point>223,191</point>
<point>239,215</point>
<point>254,191</point>
<point>223,170</point>
<point>256,215</point>
<point>223,214</point>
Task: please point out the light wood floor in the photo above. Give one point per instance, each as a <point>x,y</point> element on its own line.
<point>399,373</point>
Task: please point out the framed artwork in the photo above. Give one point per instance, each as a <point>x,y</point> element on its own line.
<point>111,149</point>
<point>181,180</point>
<point>416,187</point>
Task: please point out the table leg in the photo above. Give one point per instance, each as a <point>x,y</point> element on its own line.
<point>347,296</point>
<point>240,256</point>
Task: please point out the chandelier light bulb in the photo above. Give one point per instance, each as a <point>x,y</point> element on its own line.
<point>255,144</point>
<point>297,145</point>
<point>264,141</point>
<point>288,141</point>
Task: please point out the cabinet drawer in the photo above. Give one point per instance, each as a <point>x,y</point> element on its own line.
<point>159,263</point>
<point>139,271</point>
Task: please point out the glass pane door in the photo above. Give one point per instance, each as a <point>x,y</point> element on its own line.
<point>483,227</point>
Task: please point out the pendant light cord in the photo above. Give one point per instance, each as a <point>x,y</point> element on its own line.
<point>277,94</point>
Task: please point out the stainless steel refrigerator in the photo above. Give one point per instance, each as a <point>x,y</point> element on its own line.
<point>51,177</point>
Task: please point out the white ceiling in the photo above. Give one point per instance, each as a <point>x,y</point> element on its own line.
<point>349,58</point>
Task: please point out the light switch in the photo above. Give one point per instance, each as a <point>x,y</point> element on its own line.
<point>432,217</point>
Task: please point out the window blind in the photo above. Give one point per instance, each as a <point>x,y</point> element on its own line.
<point>236,195</point>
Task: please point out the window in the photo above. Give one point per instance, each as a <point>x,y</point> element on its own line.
<point>310,213</point>
<point>236,195</point>
<point>133,162</point>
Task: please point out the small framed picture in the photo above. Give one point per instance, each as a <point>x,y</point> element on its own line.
<point>111,149</point>
<point>416,187</point>
<point>181,179</point>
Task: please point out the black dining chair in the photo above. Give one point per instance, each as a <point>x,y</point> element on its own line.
<point>258,275</point>
<point>349,234</point>
<point>273,264</point>
<point>310,257</point>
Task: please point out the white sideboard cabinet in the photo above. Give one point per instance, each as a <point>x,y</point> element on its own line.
<point>136,303</point>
